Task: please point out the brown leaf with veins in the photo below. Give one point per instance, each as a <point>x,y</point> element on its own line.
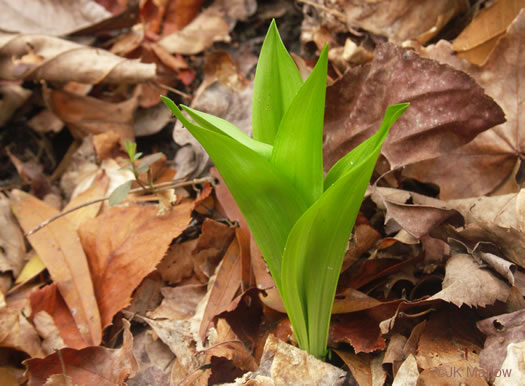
<point>448,108</point>
<point>12,244</point>
<point>467,283</point>
<point>124,245</point>
<point>59,247</point>
<point>482,165</point>
<point>89,366</point>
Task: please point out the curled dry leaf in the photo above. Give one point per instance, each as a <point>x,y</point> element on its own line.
<point>403,19</point>
<point>123,246</point>
<point>482,165</point>
<point>58,245</point>
<point>53,17</point>
<point>89,366</point>
<point>41,57</point>
<point>447,107</point>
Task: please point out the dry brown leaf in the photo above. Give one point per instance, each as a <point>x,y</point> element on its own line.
<point>359,366</point>
<point>417,218</point>
<point>359,330</point>
<point>41,57</point>
<point>501,330</point>
<point>49,300</point>
<point>12,244</point>
<point>448,335</point>
<point>177,265</point>
<point>53,17</point>
<point>16,332</point>
<point>59,247</point>
<point>179,302</point>
<point>225,285</point>
<point>447,109</point>
<point>123,246</point>
<point>478,39</point>
<point>407,373</point>
<point>402,19</point>
<point>283,364</point>
<point>86,115</point>
<point>208,27</point>
<point>482,165</point>
<point>47,329</point>
<point>12,97</point>
<point>477,289</point>
<point>89,366</point>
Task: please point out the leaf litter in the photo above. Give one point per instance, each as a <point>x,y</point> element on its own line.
<point>433,279</point>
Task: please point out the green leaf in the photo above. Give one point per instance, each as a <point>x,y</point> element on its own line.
<point>345,164</point>
<point>315,248</point>
<point>277,80</point>
<point>131,148</point>
<point>298,146</point>
<point>120,193</point>
<point>268,202</point>
<point>219,125</point>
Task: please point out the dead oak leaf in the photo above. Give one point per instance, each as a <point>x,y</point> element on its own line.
<point>482,165</point>
<point>124,245</point>
<point>447,107</point>
<point>467,283</point>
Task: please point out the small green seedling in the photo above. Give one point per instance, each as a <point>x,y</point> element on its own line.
<point>300,219</point>
<point>120,193</point>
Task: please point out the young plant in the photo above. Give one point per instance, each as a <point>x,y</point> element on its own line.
<point>300,219</point>
<point>120,193</point>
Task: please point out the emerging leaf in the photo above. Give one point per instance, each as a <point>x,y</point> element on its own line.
<point>120,193</point>
<point>277,80</point>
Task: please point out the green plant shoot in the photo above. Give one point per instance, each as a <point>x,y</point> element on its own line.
<point>300,219</point>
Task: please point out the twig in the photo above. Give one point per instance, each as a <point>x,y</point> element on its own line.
<point>158,187</point>
<point>339,15</point>
<point>173,90</point>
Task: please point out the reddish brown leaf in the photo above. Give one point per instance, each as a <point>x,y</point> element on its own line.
<point>59,247</point>
<point>89,366</point>
<point>448,108</point>
<point>48,299</point>
<point>359,330</point>
<point>124,245</point>
<point>227,282</point>
<point>481,166</point>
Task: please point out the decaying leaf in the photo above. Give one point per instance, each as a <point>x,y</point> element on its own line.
<point>482,165</point>
<point>123,246</point>
<point>447,107</point>
<point>89,366</point>
<point>58,245</point>
<point>41,57</point>
<point>50,17</point>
